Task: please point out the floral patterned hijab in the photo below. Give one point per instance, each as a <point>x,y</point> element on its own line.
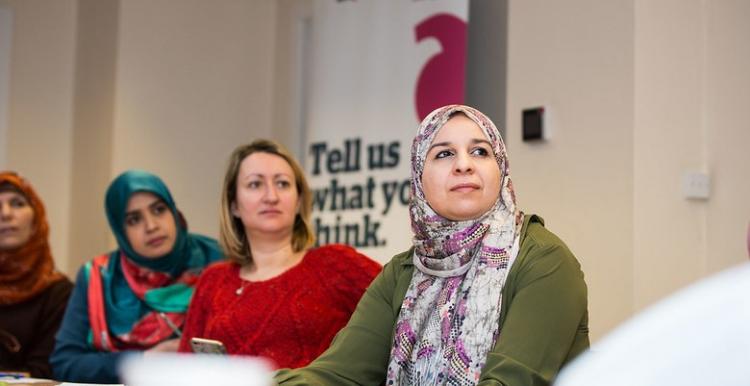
<point>28,270</point>
<point>449,319</point>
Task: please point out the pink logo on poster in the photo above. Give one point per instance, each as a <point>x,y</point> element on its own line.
<point>442,78</point>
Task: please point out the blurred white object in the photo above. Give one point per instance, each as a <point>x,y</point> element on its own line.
<point>699,336</point>
<point>188,370</point>
<point>42,381</point>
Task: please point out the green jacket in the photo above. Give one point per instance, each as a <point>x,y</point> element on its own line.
<point>544,321</point>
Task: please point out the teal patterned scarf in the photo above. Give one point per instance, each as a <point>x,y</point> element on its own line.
<point>134,301</point>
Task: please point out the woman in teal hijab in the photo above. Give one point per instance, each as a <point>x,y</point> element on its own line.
<point>135,297</point>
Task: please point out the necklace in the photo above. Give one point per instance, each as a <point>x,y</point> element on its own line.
<point>241,289</point>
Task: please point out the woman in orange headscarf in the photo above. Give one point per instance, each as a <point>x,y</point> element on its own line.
<point>33,294</point>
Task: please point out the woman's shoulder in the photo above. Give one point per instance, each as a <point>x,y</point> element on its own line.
<point>333,252</point>
<point>343,250</point>
<point>102,260</point>
<point>220,268</point>
<point>209,247</point>
<point>58,293</point>
<point>535,235</point>
<point>404,258</point>
<point>61,287</point>
<point>341,258</point>
<point>84,271</point>
<point>541,250</point>
<point>216,275</point>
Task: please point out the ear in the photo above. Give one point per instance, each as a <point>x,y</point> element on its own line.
<point>233,209</point>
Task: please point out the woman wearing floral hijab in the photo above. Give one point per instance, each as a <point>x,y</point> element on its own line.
<point>134,298</point>
<point>486,295</point>
<point>32,293</point>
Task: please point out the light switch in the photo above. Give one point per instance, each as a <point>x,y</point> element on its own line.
<point>696,185</point>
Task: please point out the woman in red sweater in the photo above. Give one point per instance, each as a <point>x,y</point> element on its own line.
<point>276,297</point>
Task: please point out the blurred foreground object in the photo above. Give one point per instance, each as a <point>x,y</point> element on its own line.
<point>188,370</point>
<point>698,336</point>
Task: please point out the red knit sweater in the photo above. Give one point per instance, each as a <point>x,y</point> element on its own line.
<point>289,319</point>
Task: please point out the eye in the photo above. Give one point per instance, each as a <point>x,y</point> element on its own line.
<point>480,151</point>
<point>159,208</point>
<point>283,184</point>
<point>132,219</point>
<point>254,184</point>
<point>443,153</point>
<point>18,202</point>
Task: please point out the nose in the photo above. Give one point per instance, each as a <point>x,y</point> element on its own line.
<point>151,223</point>
<point>6,212</point>
<point>463,163</point>
<point>271,195</point>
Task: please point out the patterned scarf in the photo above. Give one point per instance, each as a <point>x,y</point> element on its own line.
<point>448,321</point>
<point>136,302</point>
<point>28,270</point>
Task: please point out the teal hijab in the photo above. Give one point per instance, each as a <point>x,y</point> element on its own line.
<point>123,306</point>
<point>187,251</point>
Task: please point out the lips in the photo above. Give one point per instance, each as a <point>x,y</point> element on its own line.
<point>157,241</point>
<point>270,211</point>
<point>464,187</point>
<point>8,230</point>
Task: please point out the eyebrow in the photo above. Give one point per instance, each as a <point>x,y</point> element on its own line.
<point>156,203</point>
<point>150,206</point>
<point>16,196</point>
<point>277,175</point>
<point>473,142</point>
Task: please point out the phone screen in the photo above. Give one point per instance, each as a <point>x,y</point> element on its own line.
<point>207,346</point>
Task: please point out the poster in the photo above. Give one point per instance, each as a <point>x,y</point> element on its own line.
<point>377,67</point>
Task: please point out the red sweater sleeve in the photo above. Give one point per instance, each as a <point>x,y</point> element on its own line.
<point>355,272</point>
<point>195,322</point>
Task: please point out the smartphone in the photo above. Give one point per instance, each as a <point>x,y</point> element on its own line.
<point>207,346</point>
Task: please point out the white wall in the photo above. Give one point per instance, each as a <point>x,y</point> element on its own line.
<point>291,67</point>
<point>96,53</point>
<point>575,58</point>
<point>194,80</point>
<point>691,93</point>
<point>40,129</point>
<point>638,93</point>
<point>670,139</point>
<point>728,131</point>
<point>6,35</point>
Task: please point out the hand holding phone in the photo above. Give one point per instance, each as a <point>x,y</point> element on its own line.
<point>207,346</point>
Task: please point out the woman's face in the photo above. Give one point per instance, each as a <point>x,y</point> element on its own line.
<point>16,220</point>
<point>266,198</point>
<point>461,178</point>
<point>150,225</point>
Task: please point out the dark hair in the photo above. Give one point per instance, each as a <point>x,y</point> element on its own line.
<point>8,187</point>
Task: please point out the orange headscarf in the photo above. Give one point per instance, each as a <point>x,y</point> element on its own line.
<point>28,270</point>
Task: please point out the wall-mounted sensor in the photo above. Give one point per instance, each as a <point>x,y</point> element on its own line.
<point>533,124</point>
